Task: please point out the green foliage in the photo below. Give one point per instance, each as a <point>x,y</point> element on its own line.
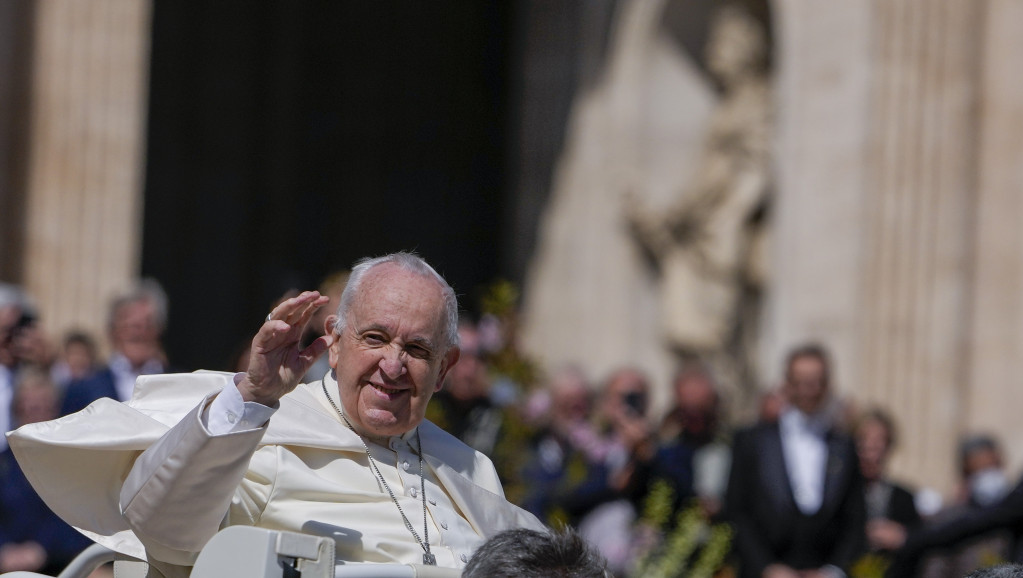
<point>501,300</point>
<point>659,504</point>
<point>693,548</point>
<point>871,565</point>
<point>511,455</point>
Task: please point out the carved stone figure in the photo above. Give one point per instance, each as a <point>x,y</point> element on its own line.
<point>707,246</point>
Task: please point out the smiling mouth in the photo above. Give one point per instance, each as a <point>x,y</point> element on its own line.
<point>390,391</point>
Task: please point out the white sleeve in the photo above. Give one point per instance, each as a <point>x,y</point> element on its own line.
<point>228,413</point>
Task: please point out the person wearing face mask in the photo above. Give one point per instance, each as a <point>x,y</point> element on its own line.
<point>986,523</point>
<point>984,478</point>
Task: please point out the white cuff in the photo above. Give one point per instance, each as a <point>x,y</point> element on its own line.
<point>229,413</point>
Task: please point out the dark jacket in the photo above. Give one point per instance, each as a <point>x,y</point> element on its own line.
<point>769,526</point>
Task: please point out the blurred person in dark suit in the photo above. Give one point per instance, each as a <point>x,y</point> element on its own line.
<point>891,510</point>
<point>692,428</point>
<point>795,493</point>
<point>136,323</point>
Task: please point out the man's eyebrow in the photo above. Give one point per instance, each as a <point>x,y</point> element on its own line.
<point>374,327</point>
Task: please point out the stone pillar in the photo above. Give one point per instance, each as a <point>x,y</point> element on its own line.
<point>995,334</point>
<point>875,232</point>
<point>919,204</point>
<point>86,152</point>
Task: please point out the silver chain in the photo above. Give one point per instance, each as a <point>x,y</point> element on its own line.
<point>428,557</point>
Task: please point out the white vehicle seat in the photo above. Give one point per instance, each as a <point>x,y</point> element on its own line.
<point>248,552</point>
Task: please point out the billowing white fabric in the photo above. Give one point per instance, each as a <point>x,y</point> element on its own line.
<point>309,474</point>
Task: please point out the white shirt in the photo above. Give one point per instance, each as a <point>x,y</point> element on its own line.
<point>125,374</point>
<point>804,446</point>
<point>6,396</point>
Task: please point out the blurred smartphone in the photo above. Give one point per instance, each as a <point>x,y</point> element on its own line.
<point>635,401</point>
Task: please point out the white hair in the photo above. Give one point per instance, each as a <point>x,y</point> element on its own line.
<point>15,296</point>
<point>146,290</point>
<point>407,262</point>
<point>11,295</point>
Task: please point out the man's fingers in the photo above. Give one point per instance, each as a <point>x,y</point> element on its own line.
<point>317,348</point>
<point>271,334</point>
<point>276,364</point>
<point>309,309</point>
<point>291,309</point>
<point>287,320</point>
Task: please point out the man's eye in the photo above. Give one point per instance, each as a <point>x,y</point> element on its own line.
<point>418,352</point>
<point>373,338</point>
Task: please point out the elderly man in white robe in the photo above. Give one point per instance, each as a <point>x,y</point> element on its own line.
<point>350,457</point>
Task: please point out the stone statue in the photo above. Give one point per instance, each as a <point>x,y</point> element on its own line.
<point>707,247</point>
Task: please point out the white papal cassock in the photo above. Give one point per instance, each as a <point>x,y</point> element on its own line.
<point>304,472</point>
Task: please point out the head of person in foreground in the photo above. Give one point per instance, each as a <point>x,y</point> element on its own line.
<point>521,552</point>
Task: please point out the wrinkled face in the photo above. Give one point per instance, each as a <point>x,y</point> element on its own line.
<point>391,356</point>
<point>806,384</point>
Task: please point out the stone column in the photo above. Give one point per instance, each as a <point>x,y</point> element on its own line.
<point>996,331</point>
<point>919,204</point>
<point>875,230</point>
<point>84,183</point>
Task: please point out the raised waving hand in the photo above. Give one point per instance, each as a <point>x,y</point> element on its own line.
<point>276,360</point>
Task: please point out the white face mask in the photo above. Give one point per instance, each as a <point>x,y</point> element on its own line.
<point>988,486</point>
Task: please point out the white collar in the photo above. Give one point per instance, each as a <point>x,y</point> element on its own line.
<point>793,420</point>
<point>119,364</point>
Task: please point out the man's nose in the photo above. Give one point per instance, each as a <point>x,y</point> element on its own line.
<point>393,361</point>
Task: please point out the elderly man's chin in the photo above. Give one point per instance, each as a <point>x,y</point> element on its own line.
<point>385,419</point>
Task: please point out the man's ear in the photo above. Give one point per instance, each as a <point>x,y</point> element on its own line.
<point>449,361</point>
<point>328,329</point>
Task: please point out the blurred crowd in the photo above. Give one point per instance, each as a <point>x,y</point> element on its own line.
<point>678,490</point>
<point>41,380</point>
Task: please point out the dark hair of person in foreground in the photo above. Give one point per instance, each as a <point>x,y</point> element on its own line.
<point>521,552</point>
<point>1000,571</point>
